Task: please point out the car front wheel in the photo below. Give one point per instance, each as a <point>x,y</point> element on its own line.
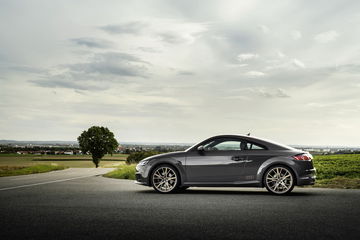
<point>279,180</point>
<point>165,179</point>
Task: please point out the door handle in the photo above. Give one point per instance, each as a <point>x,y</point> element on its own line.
<point>237,158</point>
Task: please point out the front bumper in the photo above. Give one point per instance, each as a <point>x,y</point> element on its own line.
<point>140,179</point>
<point>141,175</point>
<point>140,183</point>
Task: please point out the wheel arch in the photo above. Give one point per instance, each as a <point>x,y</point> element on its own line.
<point>165,162</point>
<point>265,168</point>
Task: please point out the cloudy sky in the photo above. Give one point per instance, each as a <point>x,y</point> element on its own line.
<point>181,71</point>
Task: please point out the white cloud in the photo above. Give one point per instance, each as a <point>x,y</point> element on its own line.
<point>326,37</point>
<point>280,54</point>
<point>296,34</point>
<point>298,63</point>
<point>250,93</point>
<point>265,29</point>
<point>255,74</point>
<point>269,93</point>
<point>246,56</point>
<point>281,93</point>
<point>175,32</point>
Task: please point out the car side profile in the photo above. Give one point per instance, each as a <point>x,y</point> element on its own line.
<point>228,161</point>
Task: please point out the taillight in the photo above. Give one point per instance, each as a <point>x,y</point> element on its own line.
<point>303,157</point>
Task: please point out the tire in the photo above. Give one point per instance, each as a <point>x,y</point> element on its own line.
<point>165,179</point>
<point>279,180</point>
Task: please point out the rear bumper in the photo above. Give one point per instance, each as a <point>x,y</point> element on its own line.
<point>308,178</point>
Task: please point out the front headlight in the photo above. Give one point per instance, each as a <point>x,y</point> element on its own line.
<point>143,162</point>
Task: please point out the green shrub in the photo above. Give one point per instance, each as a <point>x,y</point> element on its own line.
<point>136,157</point>
<point>123,172</point>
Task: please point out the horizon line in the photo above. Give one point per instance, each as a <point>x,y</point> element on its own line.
<point>171,143</point>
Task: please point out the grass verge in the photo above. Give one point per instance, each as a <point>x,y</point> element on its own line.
<point>18,170</point>
<point>339,182</point>
<point>123,172</point>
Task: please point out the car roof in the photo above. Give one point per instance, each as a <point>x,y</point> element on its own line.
<point>271,145</point>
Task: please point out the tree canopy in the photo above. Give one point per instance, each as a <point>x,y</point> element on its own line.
<point>98,141</point>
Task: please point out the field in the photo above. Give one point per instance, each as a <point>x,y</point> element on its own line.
<point>338,171</point>
<point>14,171</point>
<point>83,161</point>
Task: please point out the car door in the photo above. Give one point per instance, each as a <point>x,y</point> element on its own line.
<point>218,161</point>
<point>256,155</point>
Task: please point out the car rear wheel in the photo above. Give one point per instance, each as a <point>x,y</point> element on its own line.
<point>279,180</point>
<point>165,179</point>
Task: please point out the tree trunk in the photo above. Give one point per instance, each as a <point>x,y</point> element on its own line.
<point>96,162</point>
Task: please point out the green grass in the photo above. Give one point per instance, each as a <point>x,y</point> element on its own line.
<point>13,171</point>
<point>339,182</point>
<point>82,161</point>
<point>337,171</point>
<point>123,172</point>
<point>330,166</point>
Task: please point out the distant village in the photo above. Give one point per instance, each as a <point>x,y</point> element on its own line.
<point>72,148</point>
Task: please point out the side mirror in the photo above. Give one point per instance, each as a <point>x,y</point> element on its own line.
<point>201,148</point>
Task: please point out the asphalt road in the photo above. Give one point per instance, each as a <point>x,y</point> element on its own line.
<point>79,204</point>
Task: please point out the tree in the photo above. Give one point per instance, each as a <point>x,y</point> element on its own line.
<point>98,141</point>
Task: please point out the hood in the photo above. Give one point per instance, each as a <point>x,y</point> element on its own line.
<point>164,155</point>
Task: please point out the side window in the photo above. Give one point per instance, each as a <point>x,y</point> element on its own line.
<point>228,145</point>
<point>254,146</point>
<point>223,145</point>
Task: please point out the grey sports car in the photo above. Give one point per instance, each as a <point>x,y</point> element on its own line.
<point>229,160</point>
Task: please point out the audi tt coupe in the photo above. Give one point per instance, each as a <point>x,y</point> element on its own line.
<point>228,161</point>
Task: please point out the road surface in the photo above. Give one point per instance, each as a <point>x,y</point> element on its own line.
<point>80,204</point>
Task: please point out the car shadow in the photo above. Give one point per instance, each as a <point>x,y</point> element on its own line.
<point>231,192</point>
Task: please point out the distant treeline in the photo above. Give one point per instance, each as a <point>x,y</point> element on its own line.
<point>15,149</point>
<point>75,149</point>
<point>337,152</point>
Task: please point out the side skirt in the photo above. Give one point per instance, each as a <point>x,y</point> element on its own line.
<point>223,184</point>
